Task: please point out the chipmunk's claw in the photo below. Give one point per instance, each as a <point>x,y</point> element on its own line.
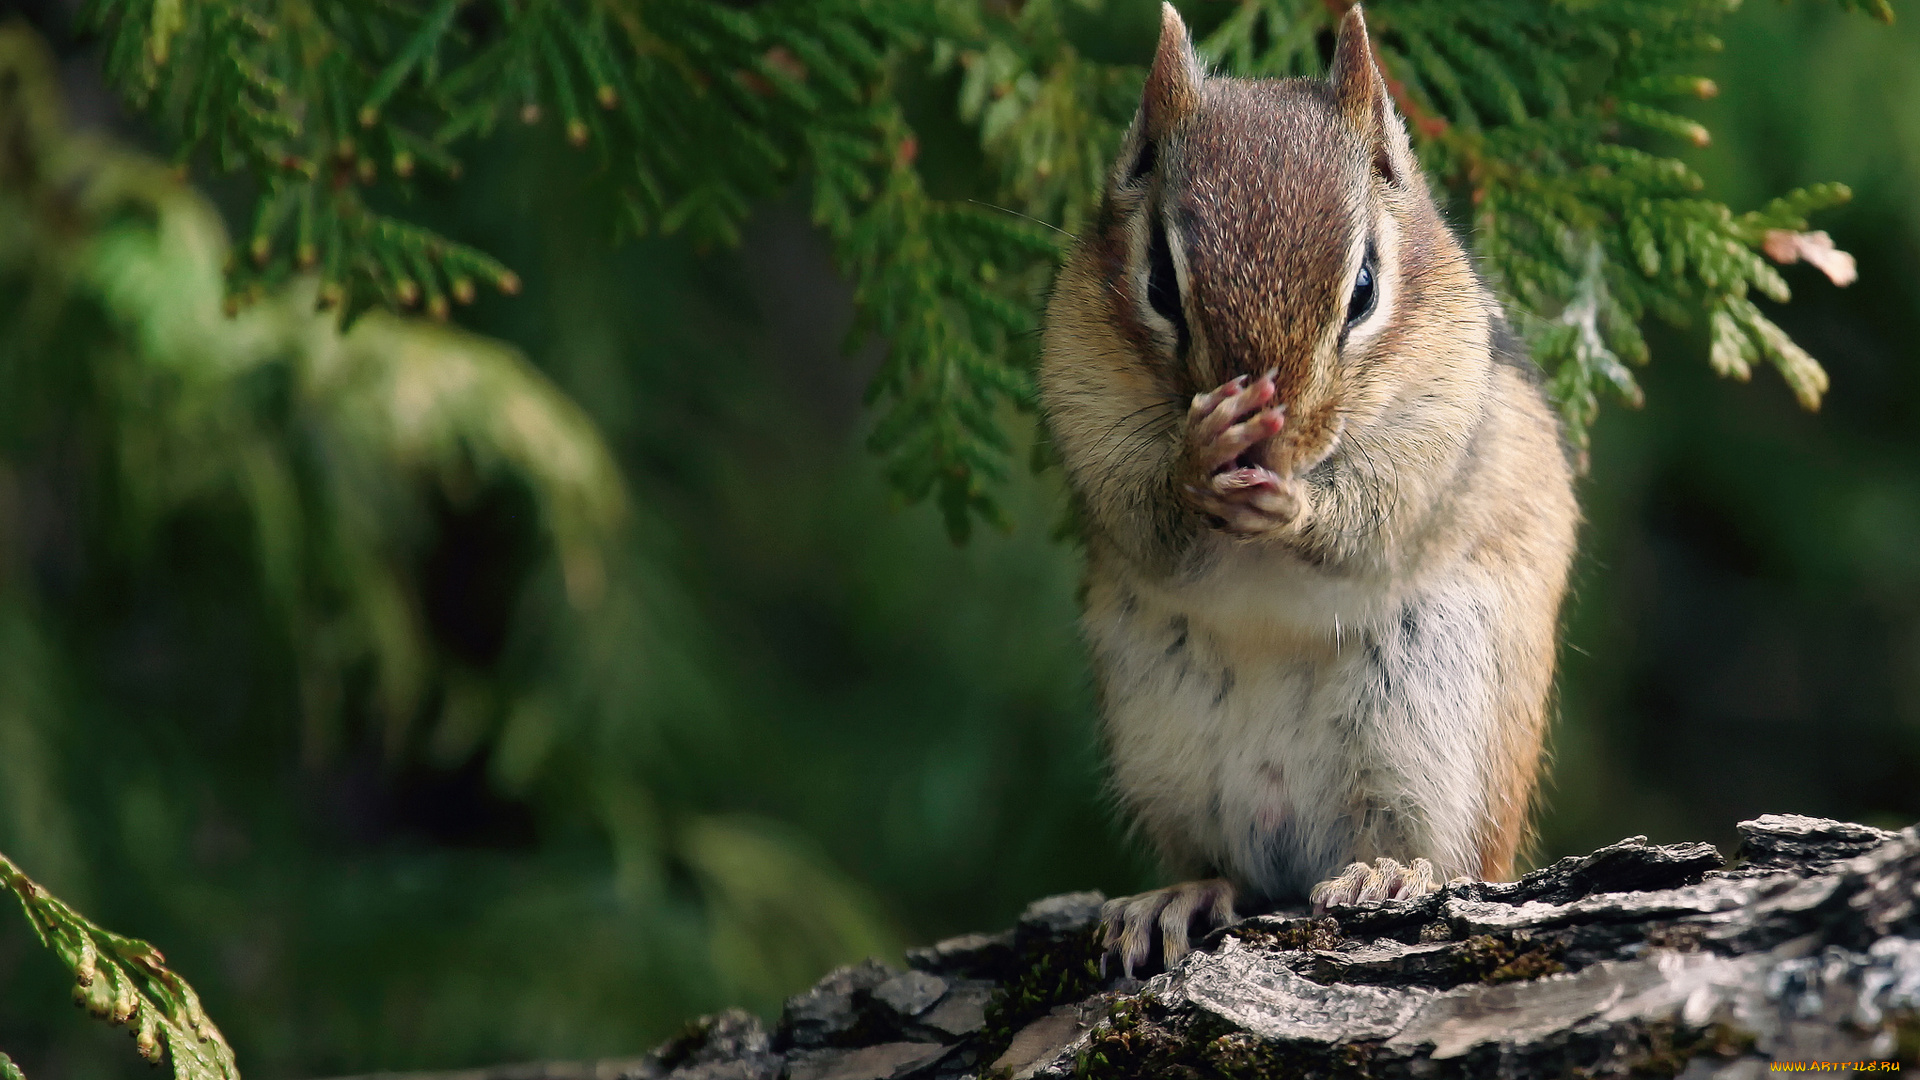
<point>1225,477</point>
<point>1129,924</point>
<point>1385,880</point>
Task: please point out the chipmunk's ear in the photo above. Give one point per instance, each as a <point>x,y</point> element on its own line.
<point>1361,91</point>
<point>1173,86</point>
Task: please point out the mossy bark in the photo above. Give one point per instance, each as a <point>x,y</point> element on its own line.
<point>1636,960</point>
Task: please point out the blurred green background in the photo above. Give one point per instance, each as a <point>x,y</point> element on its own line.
<point>792,724</point>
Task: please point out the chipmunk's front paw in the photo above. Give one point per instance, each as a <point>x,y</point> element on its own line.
<point>1128,924</point>
<point>1386,879</point>
<point>1221,474</point>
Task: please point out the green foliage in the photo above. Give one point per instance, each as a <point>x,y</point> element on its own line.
<point>696,111</point>
<point>292,474</point>
<point>925,275</point>
<point>1551,120</point>
<point>327,440</point>
<point>794,726</point>
<point>1879,9</point>
<point>1548,121</point>
<point>1044,978</point>
<point>124,981</point>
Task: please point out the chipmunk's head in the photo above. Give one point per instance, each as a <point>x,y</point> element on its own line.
<point>1252,225</point>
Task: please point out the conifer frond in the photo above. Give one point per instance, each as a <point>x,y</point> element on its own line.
<point>123,980</point>
<point>330,440</point>
<point>1556,127</point>
<point>1584,221</point>
<point>1879,9</point>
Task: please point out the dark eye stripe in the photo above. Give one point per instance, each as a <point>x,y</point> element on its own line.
<point>1143,164</point>
<point>1163,285</point>
<point>1360,304</point>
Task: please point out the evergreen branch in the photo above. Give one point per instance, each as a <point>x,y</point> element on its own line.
<point>124,980</point>
<point>1546,119</point>
<point>1878,9</point>
<point>423,41</point>
<point>1290,29</point>
<point>1581,231</point>
<point>927,281</point>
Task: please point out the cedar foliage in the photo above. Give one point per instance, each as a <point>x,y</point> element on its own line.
<point>123,981</point>
<point>1551,126</point>
<point>154,431</point>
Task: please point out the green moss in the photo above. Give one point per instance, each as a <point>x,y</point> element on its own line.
<point>689,1040</point>
<point>1051,975</point>
<point>1484,958</point>
<point>1669,1047</point>
<point>1240,1055</point>
<point>1143,1040</point>
<point>1299,935</point>
<point>1906,1038</point>
<point>1139,1039</point>
<point>1681,937</point>
<point>1492,959</point>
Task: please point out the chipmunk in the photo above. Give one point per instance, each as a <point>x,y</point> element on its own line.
<point>1328,515</point>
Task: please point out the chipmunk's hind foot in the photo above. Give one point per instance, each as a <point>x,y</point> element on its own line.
<point>1129,925</point>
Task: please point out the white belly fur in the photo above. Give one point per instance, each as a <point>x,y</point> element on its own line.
<point>1272,723</point>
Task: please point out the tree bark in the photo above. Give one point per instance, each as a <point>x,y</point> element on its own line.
<point>1636,960</point>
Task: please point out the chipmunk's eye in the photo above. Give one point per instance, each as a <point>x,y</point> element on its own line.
<point>1361,303</point>
<point>1163,285</point>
